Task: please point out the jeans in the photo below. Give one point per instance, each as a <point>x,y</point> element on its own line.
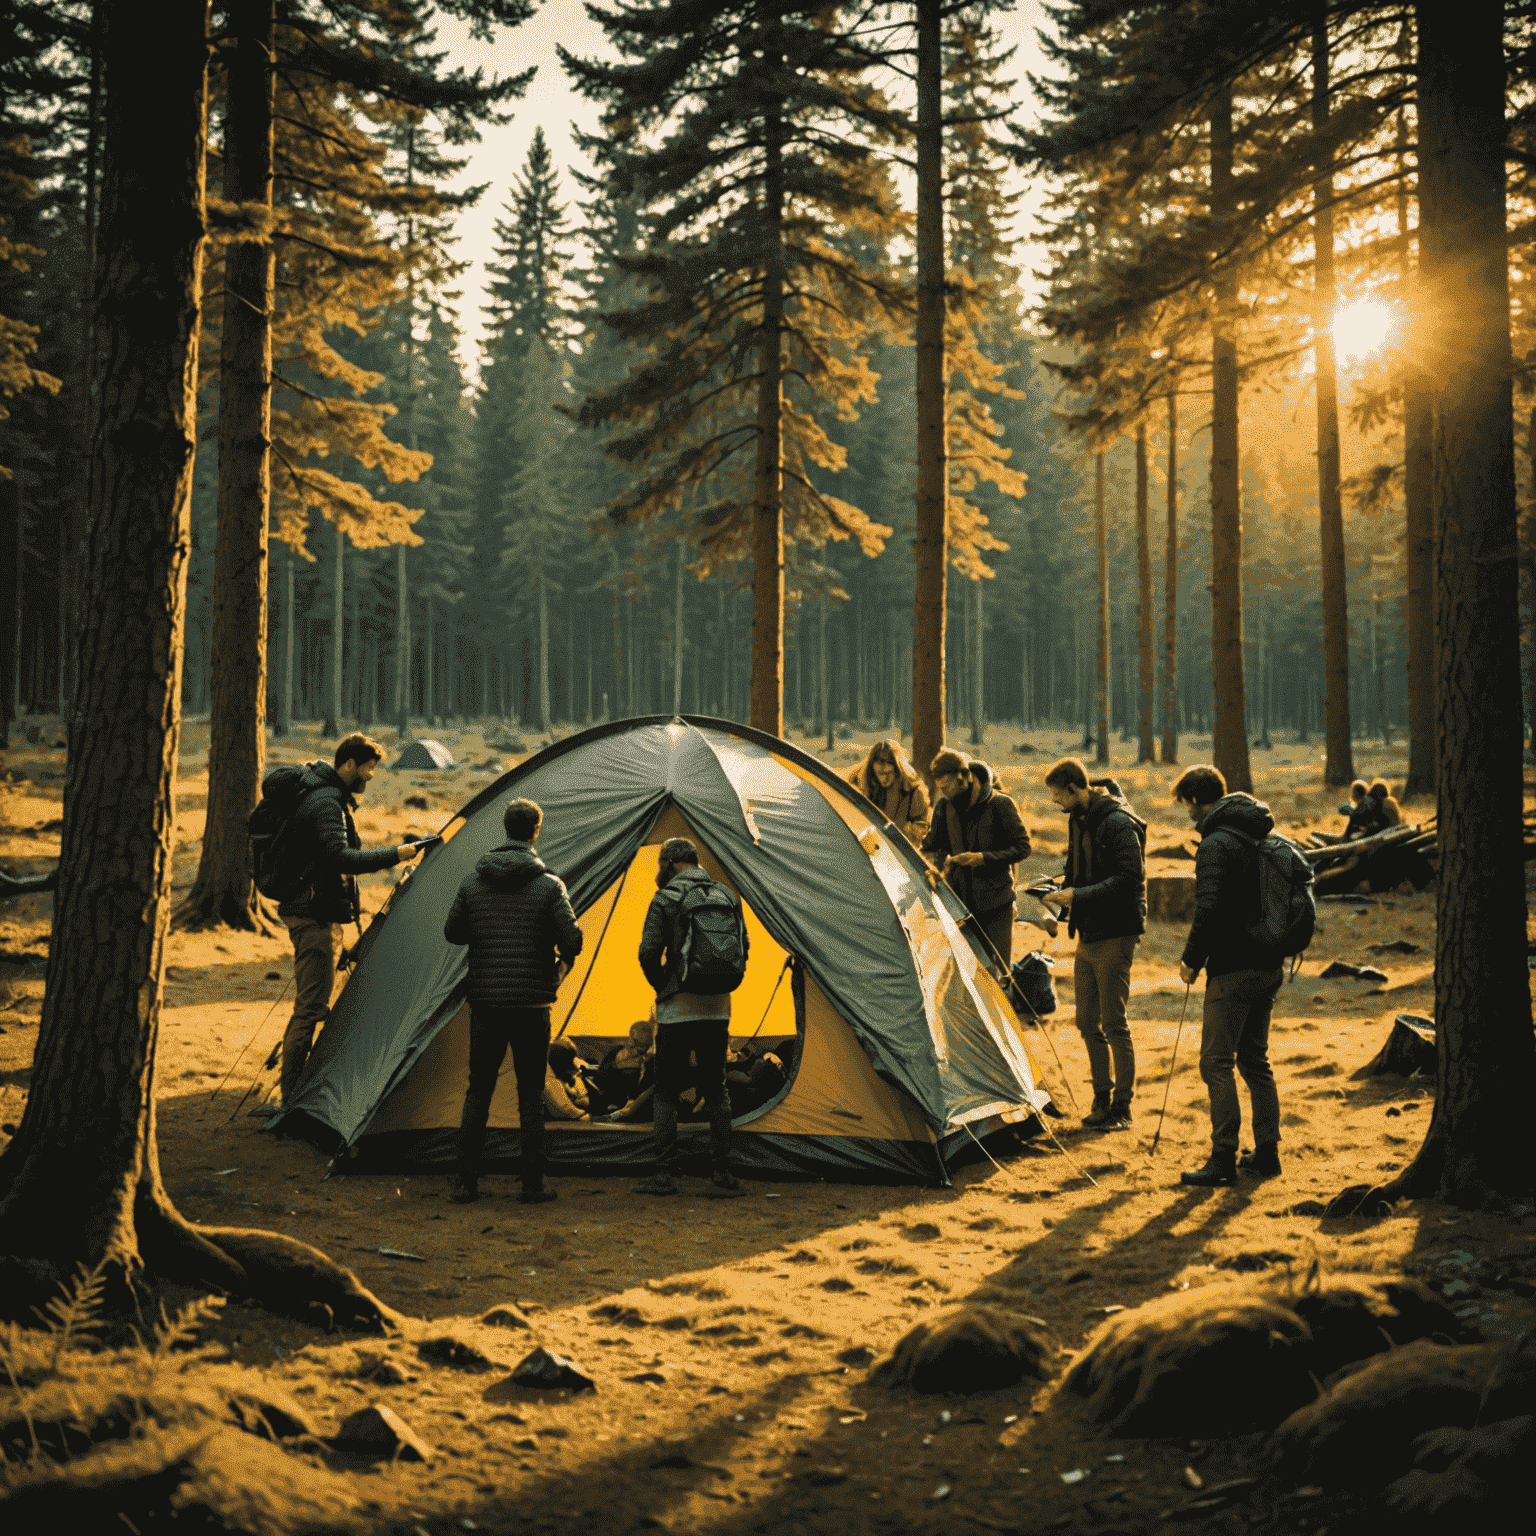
<point>316,949</point>
<point>491,1032</point>
<point>708,1040</point>
<point>1101,985</point>
<point>1235,1027</point>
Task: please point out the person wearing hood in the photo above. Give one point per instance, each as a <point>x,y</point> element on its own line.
<point>1104,894</point>
<point>975,840</point>
<point>1241,975</point>
<point>689,1024</point>
<point>522,935</point>
<point>324,835</point>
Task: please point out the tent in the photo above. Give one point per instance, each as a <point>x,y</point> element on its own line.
<point>424,754</point>
<point>906,1050</point>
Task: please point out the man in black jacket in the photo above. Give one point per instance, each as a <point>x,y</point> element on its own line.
<point>522,935</point>
<point>687,1024</point>
<point>1241,976</point>
<point>324,838</point>
<point>975,840</point>
<point>1104,892</point>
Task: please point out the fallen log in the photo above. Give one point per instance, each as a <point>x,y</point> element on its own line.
<point>1363,845</point>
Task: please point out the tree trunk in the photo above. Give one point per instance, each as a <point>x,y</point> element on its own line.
<point>768,481</point>
<point>1486,1056</point>
<point>677,631</point>
<point>1230,733</point>
<point>1146,749</point>
<point>1101,659</point>
<point>20,588</point>
<point>1339,767</point>
<point>544,715</point>
<point>223,892</point>
<point>1419,529</point>
<point>978,663</point>
<point>929,617</point>
<point>331,727</point>
<point>402,648</point>
<point>80,1180</point>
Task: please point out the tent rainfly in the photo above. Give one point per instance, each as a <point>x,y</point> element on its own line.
<point>905,1050</point>
<point>424,754</point>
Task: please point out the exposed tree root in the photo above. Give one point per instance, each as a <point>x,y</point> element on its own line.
<point>211,906</point>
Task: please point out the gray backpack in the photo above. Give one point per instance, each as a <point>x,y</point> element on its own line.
<point>1287,909</point>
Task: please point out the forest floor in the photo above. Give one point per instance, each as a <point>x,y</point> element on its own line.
<point>717,1334</point>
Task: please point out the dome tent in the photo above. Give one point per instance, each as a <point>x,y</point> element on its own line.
<point>424,754</point>
<point>907,1047</point>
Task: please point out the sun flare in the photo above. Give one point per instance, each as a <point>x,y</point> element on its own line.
<point>1361,328</point>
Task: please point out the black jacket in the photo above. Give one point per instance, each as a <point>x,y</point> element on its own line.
<point>515,917</point>
<point>323,828</point>
<point>1106,867</point>
<point>986,822</point>
<point>1227,891</point>
<point>657,959</point>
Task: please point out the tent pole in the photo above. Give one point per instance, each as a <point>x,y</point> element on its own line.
<point>597,949</point>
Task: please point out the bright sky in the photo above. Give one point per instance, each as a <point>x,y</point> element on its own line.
<point>553,104</point>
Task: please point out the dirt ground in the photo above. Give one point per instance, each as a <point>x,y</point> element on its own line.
<point>728,1342</point>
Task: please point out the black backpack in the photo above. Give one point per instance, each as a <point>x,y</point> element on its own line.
<point>279,869</point>
<point>711,945</point>
<point>1032,981</point>
<point>1287,909</point>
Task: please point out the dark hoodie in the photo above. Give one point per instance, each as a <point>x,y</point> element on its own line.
<point>985,821</point>
<point>1227,891</point>
<point>1106,867</point>
<point>517,921</point>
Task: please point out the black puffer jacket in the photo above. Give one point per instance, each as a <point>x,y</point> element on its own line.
<point>1227,891</point>
<point>323,828</point>
<point>518,923</point>
<point>986,822</point>
<point>659,936</point>
<point>1106,867</point>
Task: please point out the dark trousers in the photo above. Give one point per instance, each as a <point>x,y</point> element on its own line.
<point>491,1032</point>
<point>316,949</point>
<point>1101,987</point>
<point>998,927</point>
<point>1235,1028</point>
<point>708,1040</point>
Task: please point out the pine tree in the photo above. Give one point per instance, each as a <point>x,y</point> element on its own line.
<point>744,134</point>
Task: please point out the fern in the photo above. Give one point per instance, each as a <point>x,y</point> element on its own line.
<point>74,1315</point>
<point>180,1330</point>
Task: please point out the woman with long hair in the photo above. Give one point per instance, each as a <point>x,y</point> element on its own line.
<point>887,778</point>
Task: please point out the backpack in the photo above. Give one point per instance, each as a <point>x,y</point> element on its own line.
<point>711,943</point>
<point>276,867</point>
<point>1032,981</point>
<point>1287,908</point>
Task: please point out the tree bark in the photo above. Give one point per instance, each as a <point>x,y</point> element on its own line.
<point>1171,594</point>
<point>80,1180</point>
<point>1419,529</point>
<point>1339,767</point>
<point>223,892</point>
<point>929,616</point>
<point>1486,1054</point>
<point>768,482</point>
<point>1230,733</point>
<point>1146,749</point>
<point>1101,662</point>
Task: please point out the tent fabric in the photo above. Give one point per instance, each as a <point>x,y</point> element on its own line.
<point>905,1035</point>
<point>425,754</point>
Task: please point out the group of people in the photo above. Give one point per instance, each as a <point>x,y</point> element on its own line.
<point>515,918</point>
<point>974,836</point>
<point>1371,809</point>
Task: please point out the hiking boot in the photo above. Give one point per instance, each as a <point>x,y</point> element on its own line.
<point>465,1190</point>
<point>1100,1112</point>
<point>1263,1162</point>
<point>540,1196</point>
<point>1220,1172</point>
<point>657,1184</point>
<point>1119,1118</point>
<point>724,1185</point>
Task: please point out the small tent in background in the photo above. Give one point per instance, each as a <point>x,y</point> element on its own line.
<point>424,754</point>
<point>906,1049</point>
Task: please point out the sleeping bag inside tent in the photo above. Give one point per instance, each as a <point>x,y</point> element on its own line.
<point>900,1046</point>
